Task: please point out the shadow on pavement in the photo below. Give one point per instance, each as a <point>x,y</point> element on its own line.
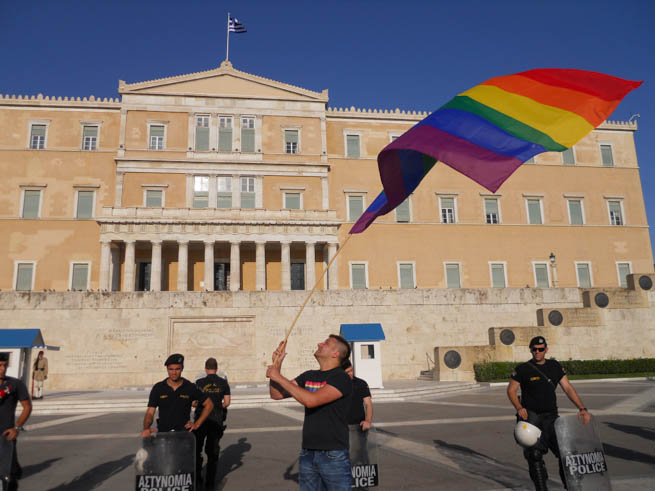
<point>96,476</point>
<point>642,431</point>
<point>30,470</point>
<point>291,476</point>
<point>627,454</point>
<point>232,457</point>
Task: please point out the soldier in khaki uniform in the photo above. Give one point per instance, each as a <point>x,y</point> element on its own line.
<point>40,375</point>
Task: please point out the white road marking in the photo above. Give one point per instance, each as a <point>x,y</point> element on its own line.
<point>61,421</point>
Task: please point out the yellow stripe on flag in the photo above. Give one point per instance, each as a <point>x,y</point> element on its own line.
<point>562,126</point>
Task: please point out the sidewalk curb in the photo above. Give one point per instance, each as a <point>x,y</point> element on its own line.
<point>589,381</point>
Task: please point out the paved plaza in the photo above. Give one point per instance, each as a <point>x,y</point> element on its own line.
<point>454,441</point>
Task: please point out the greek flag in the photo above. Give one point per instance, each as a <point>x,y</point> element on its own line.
<point>235,26</point>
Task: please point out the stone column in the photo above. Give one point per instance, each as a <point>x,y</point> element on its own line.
<point>128,280</point>
<point>182,265</point>
<point>310,263</point>
<point>105,258</point>
<point>209,265</point>
<point>155,266</point>
<point>333,275</point>
<point>260,266</point>
<point>286,265</point>
<point>115,268</point>
<point>235,266</point>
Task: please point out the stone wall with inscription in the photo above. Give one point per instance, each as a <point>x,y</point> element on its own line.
<point>115,340</point>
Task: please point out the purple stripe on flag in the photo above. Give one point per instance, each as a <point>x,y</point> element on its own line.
<point>379,207</point>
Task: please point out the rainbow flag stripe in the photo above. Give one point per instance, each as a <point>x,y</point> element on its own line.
<point>314,386</point>
<point>488,131</point>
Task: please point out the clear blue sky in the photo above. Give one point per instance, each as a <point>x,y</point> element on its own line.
<point>372,54</point>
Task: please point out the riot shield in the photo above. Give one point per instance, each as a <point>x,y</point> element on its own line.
<point>363,458</point>
<point>6,458</point>
<point>166,462</point>
<point>582,454</point>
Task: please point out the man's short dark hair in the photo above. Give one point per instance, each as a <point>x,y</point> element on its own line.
<point>346,364</point>
<point>344,347</point>
<point>211,364</point>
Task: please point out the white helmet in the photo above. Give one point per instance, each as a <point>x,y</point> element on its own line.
<point>526,434</point>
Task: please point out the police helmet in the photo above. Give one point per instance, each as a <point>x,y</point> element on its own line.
<point>526,434</point>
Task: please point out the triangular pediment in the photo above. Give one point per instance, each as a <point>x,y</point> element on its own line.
<point>224,81</point>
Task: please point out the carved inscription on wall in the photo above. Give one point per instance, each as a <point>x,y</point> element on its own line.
<point>94,361</point>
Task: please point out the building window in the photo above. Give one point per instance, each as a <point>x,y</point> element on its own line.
<point>406,275</point>
<point>535,216</point>
<point>583,272</point>
<point>224,198</point>
<point>624,269</point>
<point>491,212</point>
<point>154,198</point>
<point>297,276</point>
<point>31,203</point>
<point>498,279</point>
<point>156,136</point>
<point>616,214</point>
<point>79,277</point>
<point>85,201</point>
<point>448,210</point>
<point>576,216</point>
<point>202,133</point>
<point>606,155</point>
<point>452,275</point>
<point>293,201</point>
<point>247,192</point>
<point>200,191</point>
<point>358,276</point>
<point>291,141</point>
<point>37,136</point>
<point>568,157</point>
<point>221,276</point>
<point>24,276</point>
<point>355,207</point>
<point>352,146</point>
<point>89,137</point>
<point>541,279</point>
<point>225,134</point>
<point>248,135</point>
<point>402,212</point>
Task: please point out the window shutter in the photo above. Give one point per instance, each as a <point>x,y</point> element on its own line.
<point>38,130</point>
<point>575,210</point>
<point>541,273</point>
<point>153,198</point>
<point>291,136</point>
<point>31,201</point>
<point>352,149</point>
<point>24,277</point>
<point>498,276</point>
<point>406,276</point>
<point>583,276</point>
<point>568,157</point>
<point>358,272</point>
<point>606,155</point>
<point>248,139</point>
<point>202,139</point>
<point>225,140</point>
<point>402,212</point>
<point>85,204</point>
<point>91,131</point>
<point>224,200</point>
<point>534,212</point>
<point>292,201</point>
<point>80,275</point>
<point>452,276</point>
<point>355,207</point>
<point>247,200</point>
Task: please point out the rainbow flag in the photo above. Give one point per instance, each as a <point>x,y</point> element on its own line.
<point>488,131</point>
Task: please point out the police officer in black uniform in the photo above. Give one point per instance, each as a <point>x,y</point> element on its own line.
<point>218,390</point>
<point>538,379</point>
<point>174,396</point>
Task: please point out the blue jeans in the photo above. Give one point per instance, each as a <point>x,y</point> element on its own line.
<point>324,470</point>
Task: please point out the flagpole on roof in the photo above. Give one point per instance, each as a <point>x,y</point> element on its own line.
<point>227,48</point>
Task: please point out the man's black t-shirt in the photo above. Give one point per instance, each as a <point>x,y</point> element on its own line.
<point>537,393</point>
<point>12,390</point>
<point>174,405</point>
<point>215,388</point>
<point>326,426</point>
<point>357,412</point>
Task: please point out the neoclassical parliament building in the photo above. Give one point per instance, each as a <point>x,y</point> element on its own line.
<point>223,180</point>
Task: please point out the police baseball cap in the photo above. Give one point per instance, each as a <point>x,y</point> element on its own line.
<point>538,340</point>
<point>174,359</point>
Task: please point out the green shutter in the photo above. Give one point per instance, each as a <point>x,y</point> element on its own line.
<point>534,212</point>
<point>156,130</point>
<point>38,130</point>
<point>624,271</point>
<point>352,149</point>
<point>31,200</point>
<point>200,199</point>
<point>452,276</point>
<point>498,276</point>
<point>225,140</point>
<point>90,131</point>
<point>402,212</point>
<point>606,155</point>
<point>406,275</point>
<point>584,278</point>
<point>247,200</point>
<point>292,201</point>
<point>154,198</point>
<point>575,210</point>
<point>80,276</point>
<point>224,200</point>
<point>85,204</point>
<point>358,272</point>
<point>248,139</point>
<point>568,157</point>
<point>355,207</point>
<point>541,274</point>
<point>291,136</point>
<point>202,139</point>
<point>24,277</point>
